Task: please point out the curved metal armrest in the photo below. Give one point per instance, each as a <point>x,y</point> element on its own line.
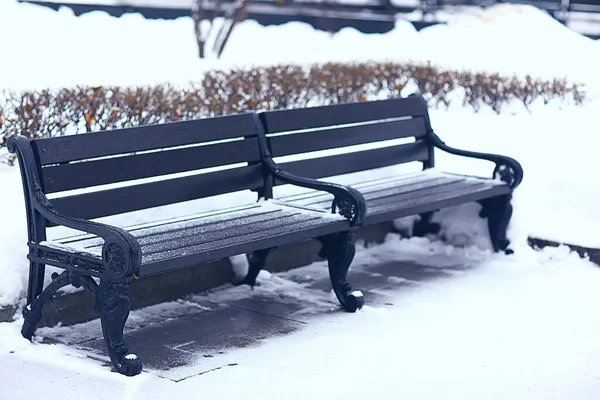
<point>349,202</point>
<point>121,252</point>
<point>507,169</point>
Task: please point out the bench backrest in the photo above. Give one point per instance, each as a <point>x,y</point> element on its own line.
<point>167,158</point>
<point>293,132</point>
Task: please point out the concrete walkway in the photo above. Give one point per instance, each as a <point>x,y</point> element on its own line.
<point>173,335</point>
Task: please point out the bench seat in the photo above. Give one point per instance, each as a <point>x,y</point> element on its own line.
<point>343,139</point>
<point>73,180</point>
<point>176,243</point>
<point>411,194</point>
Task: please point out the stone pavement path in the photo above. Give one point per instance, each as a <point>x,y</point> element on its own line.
<point>195,331</point>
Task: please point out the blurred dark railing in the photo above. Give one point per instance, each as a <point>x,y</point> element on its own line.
<point>367,16</point>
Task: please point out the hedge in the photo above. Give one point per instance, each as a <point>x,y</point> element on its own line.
<point>47,113</point>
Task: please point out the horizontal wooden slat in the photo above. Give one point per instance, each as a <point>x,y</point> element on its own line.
<point>435,201</point>
<point>56,178</point>
<point>154,194</point>
<point>200,238</point>
<point>315,196</point>
<point>149,137</point>
<point>370,194</point>
<point>423,194</point>
<point>308,228</point>
<point>199,226</point>
<point>214,236</point>
<point>346,136</point>
<point>315,117</point>
<point>245,244</point>
<point>358,161</point>
<point>411,195</point>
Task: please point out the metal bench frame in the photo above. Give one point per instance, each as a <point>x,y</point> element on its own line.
<point>121,253</point>
<point>121,258</point>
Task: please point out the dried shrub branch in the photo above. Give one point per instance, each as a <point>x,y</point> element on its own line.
<point>49,113</point>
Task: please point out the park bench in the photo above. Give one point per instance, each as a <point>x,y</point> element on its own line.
<point>391,123</point>
<point>116,165</point>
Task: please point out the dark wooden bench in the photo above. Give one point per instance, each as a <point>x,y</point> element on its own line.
<point>111,164</point>
<point>116,256</point>
<point>293,132</point>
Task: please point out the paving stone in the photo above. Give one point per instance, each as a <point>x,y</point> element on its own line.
<point>154,356</point>
<point>269,305</point>
<point>359,279</point>
<point>174,338</point>
<point>212,331</point>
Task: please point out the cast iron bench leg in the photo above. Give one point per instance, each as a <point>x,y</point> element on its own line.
<point>498,212</point>
<point>339,249</point>
<point>256,262</point>
<point>32,313</point>
<point>35,285</point>
<point>111,301</point>
<point>114,306</point>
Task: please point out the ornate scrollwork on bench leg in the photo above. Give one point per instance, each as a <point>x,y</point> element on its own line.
<point>256,262</point>
<point>339,249</point>
<point>114,306</point>
<point>498,212</point>
<point>32,313</point>
<point>113,303</point>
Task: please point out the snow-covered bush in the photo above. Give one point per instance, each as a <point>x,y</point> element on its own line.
<point>47,113</point>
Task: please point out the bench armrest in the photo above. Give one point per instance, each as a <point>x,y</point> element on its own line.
<point>348,202</point>
<point>121,253</point>
<point>507,169</point>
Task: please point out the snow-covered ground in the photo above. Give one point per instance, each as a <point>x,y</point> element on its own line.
<point>513,328</point>
<point>56,49</point>
<point>517,327</point>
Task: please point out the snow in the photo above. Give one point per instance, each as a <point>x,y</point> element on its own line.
<point>462,340</point>
<point>239,265</point>
<point>94,253</point>
<point>498,330</point>
<point>505,33</point>
<point>512,38</point>
<point>509,327</point>
<point>560,191</point>
<point>557,200</point>
<point>13,237</point>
